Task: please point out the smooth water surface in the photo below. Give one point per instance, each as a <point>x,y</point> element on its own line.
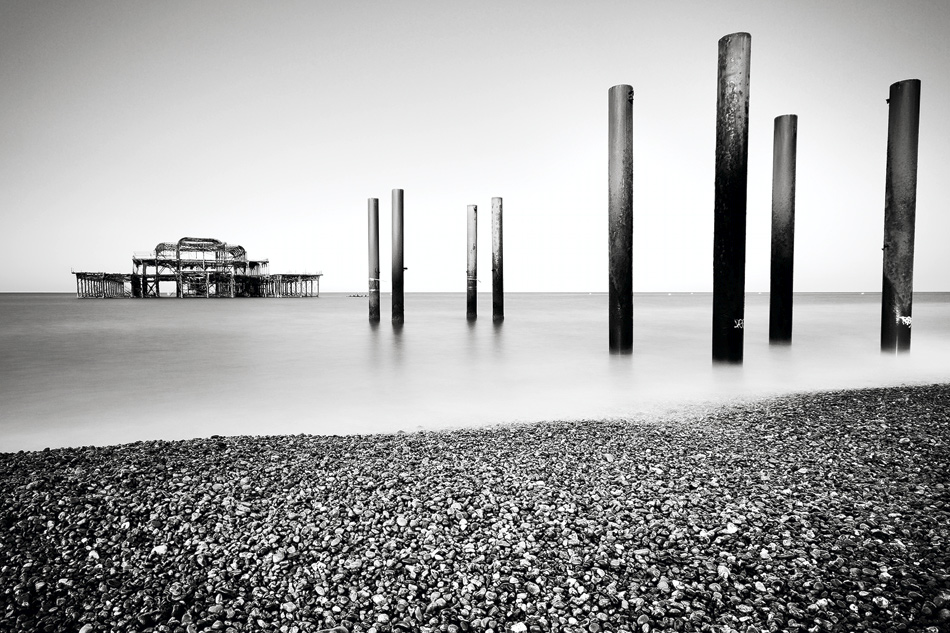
<point>76,372</point>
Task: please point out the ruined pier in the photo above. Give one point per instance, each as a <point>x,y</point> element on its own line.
<point>198,267</point>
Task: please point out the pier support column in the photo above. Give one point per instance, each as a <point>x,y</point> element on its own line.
<point>398,264</point>
<point>732,157</point>
<point>620,218</point>
<point>497,263</point>
<point>784,149</point>
<point>471,270</point>
<point>900,210</point>
<point>372,212</point>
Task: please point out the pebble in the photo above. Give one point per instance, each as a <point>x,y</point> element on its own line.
<point>518,529</point>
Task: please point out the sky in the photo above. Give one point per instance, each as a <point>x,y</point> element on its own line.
<point>269,124</point>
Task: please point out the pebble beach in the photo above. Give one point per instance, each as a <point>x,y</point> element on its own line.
<point>811,512</point>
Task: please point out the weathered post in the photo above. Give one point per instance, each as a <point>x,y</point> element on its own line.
<point>373,222</point>
<point>471,270</point>
<point>497,264</point>
<point>620,218</point>
<point>398,267</point>
<point>900,209</point>
<point>732,157</point>
<point>784,150</point>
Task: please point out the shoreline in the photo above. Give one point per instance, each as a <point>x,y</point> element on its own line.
<point>825,509</point>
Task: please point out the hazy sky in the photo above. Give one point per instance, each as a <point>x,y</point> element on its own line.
<point>269,124</point>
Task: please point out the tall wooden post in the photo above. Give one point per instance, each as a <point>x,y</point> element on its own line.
<point>784,150</point>
<point>497,264</point>
<point>372,211</point>
<point>620,218</point>
<point>900,210</point>
<point>471,270</point>
<point>732,157</point>
<point>398,267</point>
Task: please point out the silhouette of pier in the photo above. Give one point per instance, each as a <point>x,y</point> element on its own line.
<point>199,267</point>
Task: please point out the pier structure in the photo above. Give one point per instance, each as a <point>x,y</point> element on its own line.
<point>102,285</point>
<point>199,267</point>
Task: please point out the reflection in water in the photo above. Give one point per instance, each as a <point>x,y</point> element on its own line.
<point>498,340</point>
<point>81,372</point>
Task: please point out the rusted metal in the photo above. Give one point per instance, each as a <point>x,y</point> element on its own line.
<point>620,219</point>
<point>900,210</point>
<point>471,270</point>
<point>497,263</point>
<point>373,224</point>
<point>732,157</point>
<point>784,150</point>
<point>398,265</point>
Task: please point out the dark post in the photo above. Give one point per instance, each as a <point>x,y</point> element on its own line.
<point>732,157</point>
<point>497,265</point>
<point>398,268</point>
<point>784,149</point>
<point>900,209</point>
<point>620,218</point>
<point>372,209</point>
<point>471,293</point>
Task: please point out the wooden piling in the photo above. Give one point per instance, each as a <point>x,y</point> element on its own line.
<point>732,157</point>
<point>373,224</point>
<point>900,210</point>
<point>784,150</point>
<point>620,218</point>
<point>497,263</point>
<point>398,266</point>
<point>471,270</point>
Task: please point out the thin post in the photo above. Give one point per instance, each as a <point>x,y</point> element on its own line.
<point>398,267</point>
<point>784,151</point>
<point>471,269</point>
<point>497,264</point>
<point>620,218</point>
<point>732,158</point>
<point>372,212</point>
<point>900,210</point>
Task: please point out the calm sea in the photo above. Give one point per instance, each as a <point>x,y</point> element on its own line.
<point>77,372</point>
